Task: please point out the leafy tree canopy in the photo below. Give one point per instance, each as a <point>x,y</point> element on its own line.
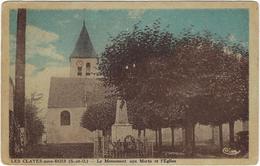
<point>34,125</point>
<point>99,116</point>
<point>199,77</point>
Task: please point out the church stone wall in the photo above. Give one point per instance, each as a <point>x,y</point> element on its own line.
<point>75,62</point>
<point>73,133</point>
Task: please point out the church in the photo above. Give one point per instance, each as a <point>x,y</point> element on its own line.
<point>70,96</point>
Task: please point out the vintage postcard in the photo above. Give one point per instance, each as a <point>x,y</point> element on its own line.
<point>129,83</point>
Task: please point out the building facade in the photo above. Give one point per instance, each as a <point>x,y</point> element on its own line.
<point>69,97</point>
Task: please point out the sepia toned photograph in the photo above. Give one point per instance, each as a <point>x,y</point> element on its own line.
<point>105,83</point>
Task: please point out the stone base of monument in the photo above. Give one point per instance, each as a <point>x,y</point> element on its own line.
<point>120,131</point>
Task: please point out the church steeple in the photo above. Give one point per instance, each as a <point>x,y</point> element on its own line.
<point>84,60</point>
<point>83,47</point>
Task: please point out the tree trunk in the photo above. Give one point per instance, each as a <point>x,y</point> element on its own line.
<point>212,135</point>
<point>183,137</point>
<point>193,138</point>
<point>160,142</point>
<point>156,138</point>
<point>19,91</point>
<point>139,133</point>
<point>100,140</point>
<point>189,140</point>
<point>105,135</point>
<point>160,137</point>
<point>103,132</point>
<point>110,131</point>
<point>220,138</point>
<point>231,132</point>
<point>172,129</point>
<point>144,133</point>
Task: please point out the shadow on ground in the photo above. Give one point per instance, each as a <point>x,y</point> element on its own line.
<point>86,151</point>
<point>60,151</point>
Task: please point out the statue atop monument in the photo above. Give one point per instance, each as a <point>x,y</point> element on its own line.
<point>121,112</point>
<point>121,128</point>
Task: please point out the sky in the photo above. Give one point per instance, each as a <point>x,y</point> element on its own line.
<point>51,34</point>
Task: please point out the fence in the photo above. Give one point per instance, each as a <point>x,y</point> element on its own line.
<point>129,148</point>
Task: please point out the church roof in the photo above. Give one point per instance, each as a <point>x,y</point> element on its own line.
<point>84,47</point>
<point>73,92</point>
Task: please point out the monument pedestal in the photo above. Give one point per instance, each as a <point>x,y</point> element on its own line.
<point>120,131</point>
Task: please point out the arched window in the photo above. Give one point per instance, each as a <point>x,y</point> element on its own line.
<point>64,118</point>
<point>87,69</point>
<point>79,70</point>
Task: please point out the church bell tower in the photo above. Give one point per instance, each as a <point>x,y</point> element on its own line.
<point>84,60</point>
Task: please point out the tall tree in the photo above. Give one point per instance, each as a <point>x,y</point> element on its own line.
<point>153,68</point>
<point>210,79</point>
<point>134,63</point>
<point>99,116</point>
<point>19,96</point>
<point>19,92</point>
<point>34,125</point>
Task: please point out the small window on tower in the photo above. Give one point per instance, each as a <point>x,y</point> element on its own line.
<point>79,70</point>
<point>87,69</point>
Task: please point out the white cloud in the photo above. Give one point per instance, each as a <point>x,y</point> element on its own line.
<point>34,33</point>
<point>135,14</point>
<point>40,82</point>
<point>29,69</point>
<point>50,52</point>
<point>38,43</point>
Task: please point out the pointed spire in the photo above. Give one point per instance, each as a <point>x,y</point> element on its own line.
<point>83,47</point>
